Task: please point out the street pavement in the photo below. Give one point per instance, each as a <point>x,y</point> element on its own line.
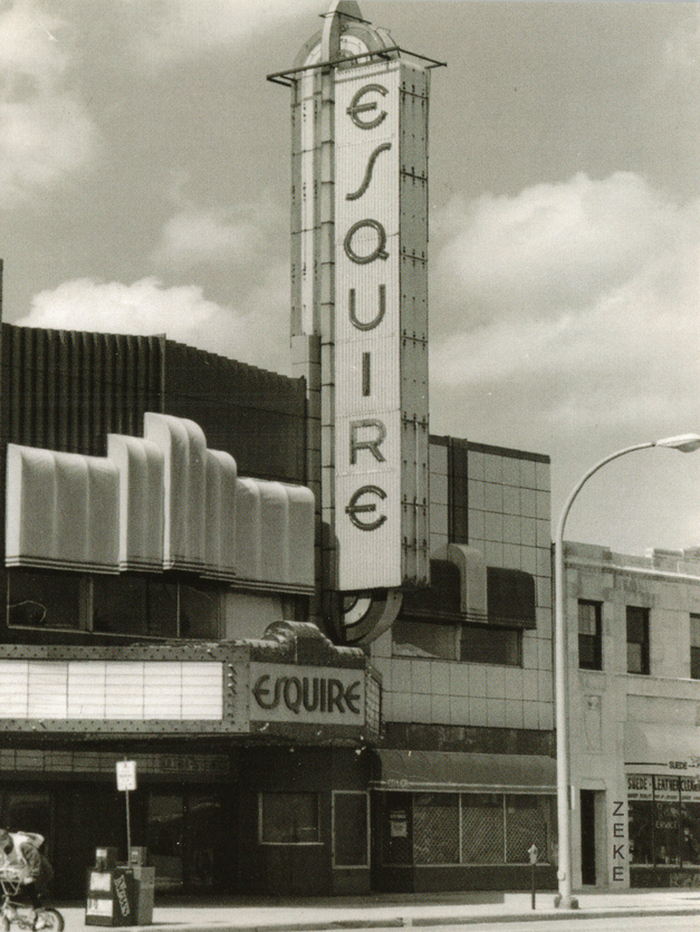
<point>382,911</point>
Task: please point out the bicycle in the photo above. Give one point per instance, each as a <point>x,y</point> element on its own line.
<point>20,914</point>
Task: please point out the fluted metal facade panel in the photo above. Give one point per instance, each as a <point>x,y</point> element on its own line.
<point>255,415</point>
<point>66,390</point>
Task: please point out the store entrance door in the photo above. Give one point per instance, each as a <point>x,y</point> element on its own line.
<point>188,836</point>
<point>588,835</point>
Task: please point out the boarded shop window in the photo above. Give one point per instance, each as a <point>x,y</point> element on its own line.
<point>482,828</point>
<point>489,644</point>
<point>436,828</point>
<point>289,818</point>
<point>695,647</point>
<point>350,836</point>
<point>590,653</point>
<point>637,639</point>
<point>528,821</point>
<point>45,600</point>
<point>465,828</point>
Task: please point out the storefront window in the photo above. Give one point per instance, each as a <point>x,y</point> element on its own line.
<point>44,600</point>
<point>289,818</point>
<point>667,820</point>
<point>436,828</point>
<point>664,820</point>
<point>483,838</point>
<point>641,832</point>
<point>690,838</point>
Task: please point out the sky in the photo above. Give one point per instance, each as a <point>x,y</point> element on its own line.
<point>144,188</point>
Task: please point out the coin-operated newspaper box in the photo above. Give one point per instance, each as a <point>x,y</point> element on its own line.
<point>120,894</point>
<point>110,895</point>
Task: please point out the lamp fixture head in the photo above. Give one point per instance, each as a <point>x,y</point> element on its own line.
<point>686,443</point>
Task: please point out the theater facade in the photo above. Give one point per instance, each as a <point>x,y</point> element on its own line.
<point>322,633</point>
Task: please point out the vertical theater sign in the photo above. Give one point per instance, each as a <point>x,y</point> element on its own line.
<point>360,306</point>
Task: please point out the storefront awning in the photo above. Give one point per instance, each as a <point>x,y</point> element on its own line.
<point>665,748</point>
<point>453,771</point>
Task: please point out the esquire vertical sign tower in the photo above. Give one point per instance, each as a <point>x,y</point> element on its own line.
<point>360,302</point>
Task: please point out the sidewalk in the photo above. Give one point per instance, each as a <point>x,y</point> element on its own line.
<point>397,910</point>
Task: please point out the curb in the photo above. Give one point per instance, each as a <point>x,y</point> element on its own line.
<point>407,922</point>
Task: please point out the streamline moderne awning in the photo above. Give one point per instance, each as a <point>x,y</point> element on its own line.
<point>454,771</point>
<point>662,748</point>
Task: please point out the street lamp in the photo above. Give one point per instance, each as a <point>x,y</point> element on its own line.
<point>686,443</point>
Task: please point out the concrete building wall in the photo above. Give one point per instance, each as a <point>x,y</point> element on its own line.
<point>613,712</point>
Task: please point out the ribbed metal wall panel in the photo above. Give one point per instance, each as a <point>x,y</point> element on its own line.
<point>66,390</point>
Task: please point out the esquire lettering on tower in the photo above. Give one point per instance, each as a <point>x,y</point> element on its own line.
<point>359,295</point>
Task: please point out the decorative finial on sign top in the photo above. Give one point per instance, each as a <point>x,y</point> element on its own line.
<point>332,27</point>
<point>345,8</point>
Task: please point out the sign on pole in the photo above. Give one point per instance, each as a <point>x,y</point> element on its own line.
<point>126,775</point>
<point>126,781</point>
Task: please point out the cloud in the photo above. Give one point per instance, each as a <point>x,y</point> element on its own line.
<point>45,130</point>
<point>681,49</point>
<point>178,30</point>
<point>553,245</point>
<point>197,236</point>
<point>254,332</point>
<point>574,308</point>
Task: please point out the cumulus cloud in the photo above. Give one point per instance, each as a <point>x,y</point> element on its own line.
<point>177,30</point>
<point>574,307</point>
<point>45,130</point>
<point>254,332</point>
<point>197,236</point>
<point>554,245</point>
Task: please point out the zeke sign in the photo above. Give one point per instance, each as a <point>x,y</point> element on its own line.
<point>381,364</point>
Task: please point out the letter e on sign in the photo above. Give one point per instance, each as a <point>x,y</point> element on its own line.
<point>126,775</point>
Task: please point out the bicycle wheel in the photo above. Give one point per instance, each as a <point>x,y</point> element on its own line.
<point>50,919</point>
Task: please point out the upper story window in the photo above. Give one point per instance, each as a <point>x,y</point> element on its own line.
<point>590,640</point>
<point>471,643</point>
<point>637,639</point>
<point>695,647</point>
<point>131,604</point>
<point>489,644</point>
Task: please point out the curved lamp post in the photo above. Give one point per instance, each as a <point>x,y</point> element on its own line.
<point>686,443</point>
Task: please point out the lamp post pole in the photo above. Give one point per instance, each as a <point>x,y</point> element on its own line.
<point>686,443</point>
